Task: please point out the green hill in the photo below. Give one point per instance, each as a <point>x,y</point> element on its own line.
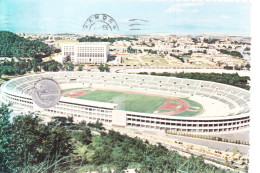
<point>12,45</point>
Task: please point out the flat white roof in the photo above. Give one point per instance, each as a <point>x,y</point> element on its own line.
<point>88,102</point>
<point>85,43</point>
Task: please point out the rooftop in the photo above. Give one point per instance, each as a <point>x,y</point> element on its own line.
<point>85,43</point>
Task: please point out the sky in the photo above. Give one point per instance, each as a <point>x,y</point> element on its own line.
<point>60,16</point>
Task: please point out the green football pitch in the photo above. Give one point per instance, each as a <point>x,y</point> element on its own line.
<point>127,101</point>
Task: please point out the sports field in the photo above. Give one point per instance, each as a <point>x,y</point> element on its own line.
<point>138,102</point>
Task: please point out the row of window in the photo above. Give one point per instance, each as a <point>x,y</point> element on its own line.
<point>130,117</point>
<point>69,49</point>
<point>187,125</point>
<point>188,130</point>
<point>68,53</point>
<point>90,48</point>
<point>94,118</point>
<point>90,54</point>
<point>82,108</point>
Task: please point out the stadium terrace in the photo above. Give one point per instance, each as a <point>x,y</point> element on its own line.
<point>212,96</point>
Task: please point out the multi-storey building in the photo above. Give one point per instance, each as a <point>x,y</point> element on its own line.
<point>86,52</point>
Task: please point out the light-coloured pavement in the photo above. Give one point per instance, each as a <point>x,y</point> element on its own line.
<point>221,146</point>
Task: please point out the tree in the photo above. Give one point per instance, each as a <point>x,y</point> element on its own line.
<point>7,149</point>
<point>29,135</point>
<point>101,67</point>
<point>70,120</point>
<point>102,155</point>
<point>106,68</point>
<point>97,125</point>
<point>237,67</point>
<point>120,165</point>
<point>70,66</point>
<point>57,50</point>
<point>1,71</point>
<point>228,67</point>
<point>61,121</point>
<point>36,69</point>
<point>248,66</point>
<point>51,65</point>
<point>85,136</point>
<point>37,143</point>
<point>246,169</point>
<point>131,50</point>
<point>80,68</point>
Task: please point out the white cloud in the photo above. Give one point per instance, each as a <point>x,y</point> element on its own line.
<point>173,9</point>
<point>180,7</point>
<point>190,4</point>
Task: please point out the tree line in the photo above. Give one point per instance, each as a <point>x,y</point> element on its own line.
<point>20,67</point>
<point>12,45</point>
<point>225,78</point>
<point>178,57</point>
<point>103,68</point>
<point>29,145</point>
<point>232,53</point>
<point>109,39</point>
<point>211,41</point>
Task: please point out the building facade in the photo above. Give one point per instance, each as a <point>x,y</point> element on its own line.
<point>86,52</point>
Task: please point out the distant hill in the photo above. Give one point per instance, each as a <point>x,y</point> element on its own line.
<point>12,45</point>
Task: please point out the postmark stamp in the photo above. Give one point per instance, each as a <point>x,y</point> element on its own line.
<point>137,24</point>
<point>46,93</point>
<point>101,22</point>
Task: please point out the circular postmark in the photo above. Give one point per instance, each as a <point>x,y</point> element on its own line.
<point>46,93</point>
<point>100,22</point>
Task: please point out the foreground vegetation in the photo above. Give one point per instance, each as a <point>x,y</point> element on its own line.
<point>28,145</point>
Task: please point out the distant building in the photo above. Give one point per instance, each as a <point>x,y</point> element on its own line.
<point>86,52</point>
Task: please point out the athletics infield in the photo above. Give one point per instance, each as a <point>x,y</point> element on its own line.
<point>137,101</point>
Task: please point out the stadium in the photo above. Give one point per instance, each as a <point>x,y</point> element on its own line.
<point>140,101</point>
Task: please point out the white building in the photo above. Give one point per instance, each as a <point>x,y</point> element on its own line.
<point>60,59</point>
<point>86,52</point>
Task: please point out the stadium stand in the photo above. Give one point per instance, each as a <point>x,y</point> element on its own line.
<point>18,92</point>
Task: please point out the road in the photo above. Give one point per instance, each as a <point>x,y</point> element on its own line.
<point>222,146</point>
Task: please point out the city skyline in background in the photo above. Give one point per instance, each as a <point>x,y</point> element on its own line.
<point>63,16</point>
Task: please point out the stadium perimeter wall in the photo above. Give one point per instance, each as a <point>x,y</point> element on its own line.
<point>17,92</point>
